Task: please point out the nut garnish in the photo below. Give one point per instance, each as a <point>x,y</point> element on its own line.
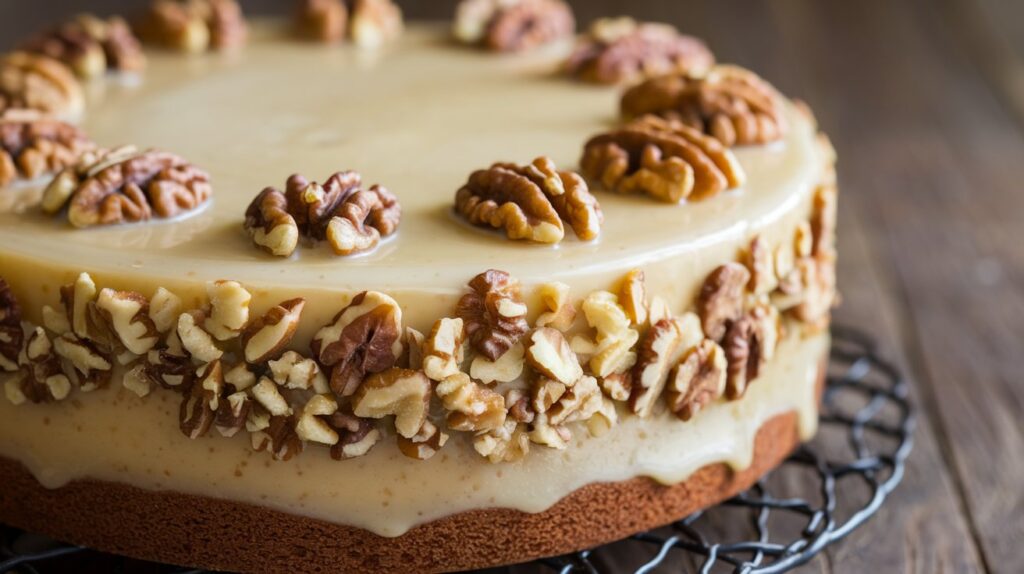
<point>278,438</point>
<point>732,104</point>
<point>90,46</point>
<point>375,22</point>
<point>610,351</point>
<point>494,313</point>
<point>270,225</point>
<point>195,339</point>
<point>364,338</point>
<point>506,369</point>
<point>196,25</point>
<point>199,407</point>
<point>356,436</point>
<point>530,202</point>
<point>293,371</point>
<point>322,20</point>
<point>471,406</point>
<point>127,314</point>
<point>42,378</point>
<point>11,333</point>
<point>402,393</point>
<point>749,343</point>
<point>267,337</point>
<point>622,50</point>
<point>550,355</point>
<point>164,309</point>
<point>229,309</point>
<point>122,186</point>
<point>169,366</point>
<point>513,25</point>
<point>32,145</point>
<point>233,412</point>
<point>412,355</point>
<point>312,425</point>
<point>698,379</point>
<point>443,349</point>
<point>508,443</point>
<point>424,444</point>
<point>817,290</point>
<point>667,160</point>
<point>823,221</point>
<point>36,82</point>
<point>658,352</point>
<point>721,299</point>
<point>759,261</point>
<point>633,296</point>
<point>560,313</point>
<point>90,368</point>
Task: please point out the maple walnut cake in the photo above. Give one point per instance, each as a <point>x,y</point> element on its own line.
<point>345,294</point>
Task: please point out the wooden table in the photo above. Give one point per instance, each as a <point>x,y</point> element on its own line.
<point>924,101</point>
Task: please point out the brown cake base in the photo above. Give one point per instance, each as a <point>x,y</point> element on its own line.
<point>222,535</point>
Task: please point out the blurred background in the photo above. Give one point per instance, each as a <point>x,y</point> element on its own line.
<point>924,100</point>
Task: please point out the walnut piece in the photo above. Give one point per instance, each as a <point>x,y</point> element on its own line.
<point>322,20</point>
<point>11,333</point>
<point>508,443</point>
<point>32,145</point>
<point>229,309</point>
<point>375,22</point>
<point>267,337</point>
<point>550,355</point>
<point>732,104</point>
<point>312,426</point>
<point>356,436</point>
<point>424,444</point>
<point>90,368</point>
<point>633,296</point>
<point>560,313</point>
<point>402,393</point>
<point>658,352</point>
<point>293,371</point>
<point>90,46</point>
<point>199,407</point>
<point>622,50</point>
<point>513,25</point>
<point>530,202</point>
<point>666,160</point>
<point>443,349</point>
<point>36,82</point>
<point>697,380</point>
<point>42,379</point>
<point>493,313</point>
<point>506,369</point>
<point>195,25</point>
<point>721,299</point>
<point>610,350</point>
<point>759,261</point>
<point>278,438</point>
<point>471,406</point>
<point>127,314</point>
<point>364,338</point>
<point>749,343</point>
<point>122,186</point>
<point>169,365</point>
<point>270,225</point>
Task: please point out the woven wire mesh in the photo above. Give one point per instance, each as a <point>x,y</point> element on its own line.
<point>823,491</point>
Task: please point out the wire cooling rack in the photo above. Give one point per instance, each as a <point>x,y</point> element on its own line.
<point>823,491</point>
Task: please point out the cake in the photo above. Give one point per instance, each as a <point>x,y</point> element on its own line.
<point>528,309</point>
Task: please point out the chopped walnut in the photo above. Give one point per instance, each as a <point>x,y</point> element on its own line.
<point>658,309</point>
<point>443,349</point>
<point>658,352</point>
<point>732,104</point>
<point>233,413</point>
<point>603,419</point>
<point>579,402</point>
<point>164,309</point>
<point>520,406</point>
<point>267,337</point>
<point>823,221</point>
<point>611,349</point>
<point>424,444</point>
<point>199,407</point>
<point>90,46</point>
<point>11,333</point>
<point>229,309</point>
<point>278,438</point>
<point>364,338</point>
<point>666,160</point>
<point>362,219</point>
<point>513,25</point>
<point>268,395</point>
<point>412,356</point>
<point>136,381</point>
<point>169,365</point>
<point>471,406</point>
<point>43,379</point>
<point>618,386</point>
<point>90,368</point>
<point>32,145</point>
<point>530,202</point>
<point>721,299</point>
<point>759,262</point>
<point>506,369</point>
<point>313,426</point>
<point>622,50</point>
<point>817,295</point>
<point>633,296</point>
<point>270,225</point>
<point>494,313</point>
<point>199,343</point>
<point>508,443</point>
<point>748,344</point>
<point>127,313</point>
<point>322,20</point>
<point>356,436</point>
<point>561,313</point>
<point>375,22</point>
<point>550,355</point>
<point>293,371</point>
<point>196,25</point>
<point>401,393</point>
<point>696,380</point>
<point>122,186</point>
<point>36,82</point>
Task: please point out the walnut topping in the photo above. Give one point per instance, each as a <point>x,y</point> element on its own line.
<point>90,46</point>
<point>11,333</point>
<point>269,396</point>
<point>667,160</point>
<point>196,25</point>
<point>293,371</point>
<point>356,436</point>
<point>658,353</point>
<point>530,202</point>
<point>471,406</point>
<point>312,426</point>
<point>122,186</point>
<point>579,402</point>
<point>508,443</point>
<point>36,82</point>
<point>618,386</point>
<point>749,343</point>
<point>513,25</point>
<point>412,356</point>
<point>443,349</point>
<point>229,309</point>
<point>233,413</point>
<point>550,355</point>
<point>127,313</point>
<point>424,444</point>
<point>136,381</point>
<point>506,369</point>
<point>561,313</point>
<point>270,225</point>
<point>375,22</point>
<point>816,292</point>
<point>169,366</point>
<point>401,393</point>
<point>759,261</point>
<point>199,407</point>
<point>32,145</point>
<point>494,313</point>
<point>621,50</point>
<point>364,338</point>
<point>267,337</point>
<point>732,104</point>
<point>698,379</point>
<point>195,339</point>
<point>90,368</point>
<point>823,221</point>
<point>611,349</point>
<point>322,20</point>
<point>279,438</point>
<point>633,296</point>
<point>42,379</point>
<point>164,309</point>
<point>721,299</point>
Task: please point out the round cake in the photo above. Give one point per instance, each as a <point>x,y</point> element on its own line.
<point>538,301</point>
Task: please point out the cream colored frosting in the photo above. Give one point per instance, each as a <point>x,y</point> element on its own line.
<point>416,117</point>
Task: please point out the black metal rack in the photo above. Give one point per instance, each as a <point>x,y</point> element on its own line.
<point>823,491</point>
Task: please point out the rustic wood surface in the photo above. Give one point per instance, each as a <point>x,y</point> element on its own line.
<point>924,101</point>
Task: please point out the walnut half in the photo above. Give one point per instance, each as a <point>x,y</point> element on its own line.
<point>513,25</point>
<point>32,145</point>
<point>36,82</point>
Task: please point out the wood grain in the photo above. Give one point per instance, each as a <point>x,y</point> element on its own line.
<point>925,103</point>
